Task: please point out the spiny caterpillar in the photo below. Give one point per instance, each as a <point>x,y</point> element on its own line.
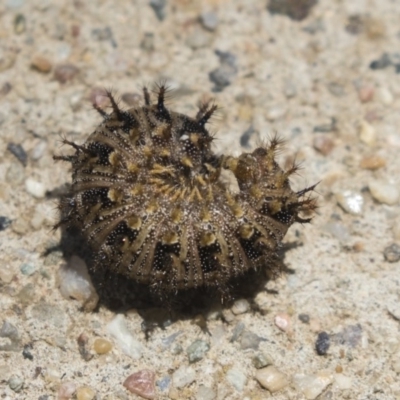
<point>148,197</point>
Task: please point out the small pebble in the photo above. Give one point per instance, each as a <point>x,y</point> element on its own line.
<point>350,336</point>
<point>381,63</point>
<point>249,340</point>
<point>384,192</point>
<point>27,269</point>
<point>119,331</point>
<point>261,360</point>
<point>66,390</point>
<point>296,10</point>
<point>26,352</point>
<point>240,306</point>
<point>367,133</point>
<point>197,350</point>
<point>183,376</point>
<point>323,144</point>
<point>312,385</point>
<point>18,151</point>
<point>142,384</point>
<point>163,383</point>
<point>27,294</point>
<point>237,331</point>
<point>236,378</point>
<point>102,346</point>
<point>35,188</point>
<point>19,24</point>
<point>385,96</point>
<point>263,302</point>
<point>366,93</point>
<point>75,282</point>
<point>41,64</point>
<point>275,112</point>
<point>343,382</point>
<point>392,253</point>
<point>38,150</point>
<point>16,383</point>
<point>226,72</point>
<point>209,20</point>
<point>322,343</point>
<point>147,42</point>
<point>15,173</point>
<point>5,88</point>
<point>85,393</point>
<point>304,318</point>
<point>5,222</point>
<point>65,72</point>
<point>351,201</point>
<point>326,128</point>
<point>159,8</point>
<point>7,272</point>
<point>372,162</point>
<point>271,378</point>
<point>283,322</point>
<point>198,38</point>
<point>205,393</point>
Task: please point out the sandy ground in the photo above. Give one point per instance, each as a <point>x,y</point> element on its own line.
<point>329,83</point>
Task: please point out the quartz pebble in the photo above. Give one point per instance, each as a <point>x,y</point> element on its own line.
<point>392,253</point>
<point>7,272</point>
<point>385,96</point>
<point>35,188</point>
<point>271,378</point>
<point>275,112</point>
<point>85,393</point>
<point>119,331</point>
<point>66,390</point>
<point>240,306</point>
<point>372,162</point>
<point>343,382</point>
<point>236,378</point>
<point>351,201</point>
<point>283,322</point>
<point>384,192</point>
<point>312,385</point>
<point>366,93</point>
<point>205,393</point>
<point>163,383</point>
<point>183,376</point>
<point>16,383</point>
<point>75,282</point>
<point>142,384</point>
<point>197,350</point>
<point>102,346</point>
<point>367,133</point>
<point>41,64</point>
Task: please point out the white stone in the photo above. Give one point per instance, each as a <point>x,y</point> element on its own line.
<point>118,329</point>
<point>75,282</point>
<point>271,378</point>
<point>343,382</point>
<point>384,192</point>
<point>367,133</point>
<point>275,112</point>
<point>312,385</point>
<point>7,272</point>
<point>205,393</point>
<point>385,96</point>
<point>351,201</point>
<point>35,188</point>
<point>183,376</point>
<point>240,306</point>
<point>236,378</point>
